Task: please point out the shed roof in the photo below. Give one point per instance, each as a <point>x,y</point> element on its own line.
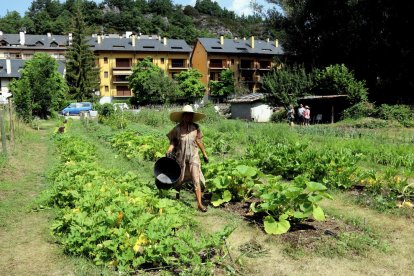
<point>240,46</point>
<point>248,98</point>
<point>318,97</point>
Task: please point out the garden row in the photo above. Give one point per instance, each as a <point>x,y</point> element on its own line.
<point>335,165</point>
<point>118,221</point>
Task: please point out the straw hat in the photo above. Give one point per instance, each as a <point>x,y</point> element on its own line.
<point>177,116</point>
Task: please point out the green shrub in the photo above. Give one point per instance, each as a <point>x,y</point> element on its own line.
<point>105,110</point>
<point>336,80</point>
<point>401,113</point>
<point>360,110</point>
<point>279,116</point>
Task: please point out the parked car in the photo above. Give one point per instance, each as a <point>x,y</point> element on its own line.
<point>77,108</point>
<point>120,106</point>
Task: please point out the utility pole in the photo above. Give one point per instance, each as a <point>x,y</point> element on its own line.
<point>3,133</point>
<point>11,121</point>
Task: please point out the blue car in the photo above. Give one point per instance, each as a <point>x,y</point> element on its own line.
<point>77,108</point>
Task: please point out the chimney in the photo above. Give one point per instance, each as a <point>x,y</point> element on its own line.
<point>235,38</point>
<point>222,40</point>
<point>267,40</point>
<point>1,33</point>
<point>277,43</point>
<point>165,41</point>
<point>128,34</point>
<point>22,38</point>
<point>8,66</point>
<point>99,39</point>
<point>133,40</point>
<point>70,38</point>
<point>244,38</point>
<point>252,42</point>
<point>49,35</point>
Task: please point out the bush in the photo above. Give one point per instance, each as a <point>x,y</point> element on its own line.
<point>360,110</point>
<point>105,110</point>
<point>401,113</point>
<point>279,116</point>
<point>336,80</point>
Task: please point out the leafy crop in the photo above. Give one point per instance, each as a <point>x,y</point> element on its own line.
<point>133,145</point>
<point>230,180</point>
<point>284,202</point>
<point>118,221</point>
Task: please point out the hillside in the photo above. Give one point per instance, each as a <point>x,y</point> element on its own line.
<point>205,19</point>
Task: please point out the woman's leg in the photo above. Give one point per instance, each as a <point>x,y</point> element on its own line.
<point>195,177</point>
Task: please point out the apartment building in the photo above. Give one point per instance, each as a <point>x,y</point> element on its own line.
<point>23,46</point>
<point>117,55</point>
<point>249,59</point>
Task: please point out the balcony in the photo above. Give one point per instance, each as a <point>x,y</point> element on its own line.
<point>120,80</point>
<point>121,71</point>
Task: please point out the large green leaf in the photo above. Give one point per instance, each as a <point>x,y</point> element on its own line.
<point>218,199</point>
<point>315,186</point>
<point>275,227</point>
<point>318,213</point>
<point>244,170</point>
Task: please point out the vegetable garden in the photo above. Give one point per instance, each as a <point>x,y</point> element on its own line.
<point>118,219</point>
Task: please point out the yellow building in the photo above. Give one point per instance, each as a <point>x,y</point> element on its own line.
<point>249,59</point>
<point>118,55</point>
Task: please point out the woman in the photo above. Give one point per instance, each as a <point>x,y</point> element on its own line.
<point>185,140</point>
<point>306,115</point>
<point>291,115</point>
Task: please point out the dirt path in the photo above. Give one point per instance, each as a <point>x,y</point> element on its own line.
<point>25,243</point>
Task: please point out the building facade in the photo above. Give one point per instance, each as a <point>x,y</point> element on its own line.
<point>249,59</point>
<point>116,57</point>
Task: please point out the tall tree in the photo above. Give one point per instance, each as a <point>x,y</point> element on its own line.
<point>41,89</point>
<point>366,35</point>
<point>81,72</point>
<point>150,84</point>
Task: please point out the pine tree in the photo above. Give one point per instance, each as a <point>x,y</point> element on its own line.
<point>81,72</point>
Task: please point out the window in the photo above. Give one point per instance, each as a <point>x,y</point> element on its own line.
<point>106,88</point>
<point>123,91</point>
<point>123,62</point>
<point>119,46</point>
<point>39,44</point>
<point>216,48</point>
<point>105,60</point>
<point>176,47</point>
<point>54,44</point>
<point>177,63</point>
<point>106,74</point>
<point>232,61</point>
<point>162,60</point>
<point>217,63</point>
<point>242,49</point>
<point>148,47</point>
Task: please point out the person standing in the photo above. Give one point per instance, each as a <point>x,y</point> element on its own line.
<point>291,115</point>
<point>301,118</point>
<point>185,140</point>
<point>306,115</point>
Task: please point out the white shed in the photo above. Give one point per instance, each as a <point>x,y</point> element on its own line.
<point>251,107</point>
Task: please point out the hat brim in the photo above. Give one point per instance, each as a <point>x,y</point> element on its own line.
<point>178,116</point>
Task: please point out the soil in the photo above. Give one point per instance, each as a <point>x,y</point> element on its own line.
<point>303,234</point>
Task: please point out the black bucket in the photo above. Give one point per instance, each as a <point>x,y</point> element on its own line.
<point>167,173</point>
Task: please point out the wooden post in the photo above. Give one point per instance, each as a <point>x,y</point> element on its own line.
<point>3,133</point>
<point>332,116</point>
<point>11,121</point>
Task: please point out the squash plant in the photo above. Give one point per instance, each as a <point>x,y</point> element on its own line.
<point>231,180</point>
<point>283,202</point>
